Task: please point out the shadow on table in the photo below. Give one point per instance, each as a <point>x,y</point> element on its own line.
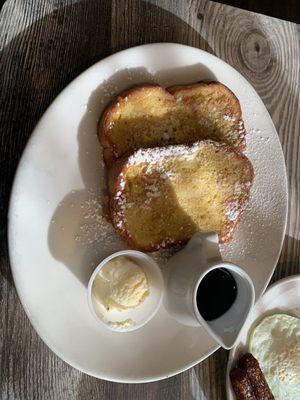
<point>42,59</point>
<point>288,263</point>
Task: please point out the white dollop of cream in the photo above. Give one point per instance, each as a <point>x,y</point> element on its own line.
<point>121,284</point>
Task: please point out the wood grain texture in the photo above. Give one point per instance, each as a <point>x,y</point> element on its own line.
<point>44,45</point>
<point>289,10</point>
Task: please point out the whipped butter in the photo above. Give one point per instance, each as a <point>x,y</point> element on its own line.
<point>124,324</point>
<point>121,284</point>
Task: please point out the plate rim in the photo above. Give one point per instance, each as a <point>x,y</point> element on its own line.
<point>16,178</point>
<point>275,285</point>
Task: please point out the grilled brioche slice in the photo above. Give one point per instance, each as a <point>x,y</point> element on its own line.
<point>151,116</point>
<point>162,196</point>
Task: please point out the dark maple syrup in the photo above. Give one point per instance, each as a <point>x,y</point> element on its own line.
<point>216,293</point>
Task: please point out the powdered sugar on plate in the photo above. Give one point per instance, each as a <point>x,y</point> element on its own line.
<point>95,227</point>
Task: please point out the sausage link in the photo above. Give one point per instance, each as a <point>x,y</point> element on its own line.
<point>256,377</point>
<point>241,385</point>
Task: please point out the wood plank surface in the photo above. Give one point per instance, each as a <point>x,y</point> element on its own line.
<point>45,44</point>
<point>289,10</point>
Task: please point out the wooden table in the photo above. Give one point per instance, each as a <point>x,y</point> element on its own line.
<point>44,45</point>
<point>288,10</point>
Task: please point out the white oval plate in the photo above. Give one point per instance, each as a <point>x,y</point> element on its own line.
<point>282,297</point>
<point>57,235</point>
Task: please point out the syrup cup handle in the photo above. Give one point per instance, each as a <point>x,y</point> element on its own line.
<point>183,271</point>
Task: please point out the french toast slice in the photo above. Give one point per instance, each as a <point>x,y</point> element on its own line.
<point>151,116</point>
<point>160,197</point>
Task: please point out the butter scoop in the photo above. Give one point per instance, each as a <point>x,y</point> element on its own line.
<point>125,291</point>
<point>121,284</point>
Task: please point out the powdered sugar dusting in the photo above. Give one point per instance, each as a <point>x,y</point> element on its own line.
<point>95,228</point>
<point>240,131</point>
<point>255,242</point>
<point>233,210</point>
<point>158,155</point>
<point>229,118</point>
<point>153,162</point>
<point>162,256</point>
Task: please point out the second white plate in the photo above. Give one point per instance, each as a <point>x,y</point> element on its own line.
<point>282,297</point>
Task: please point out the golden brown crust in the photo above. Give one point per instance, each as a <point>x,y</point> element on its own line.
<point>229,104</point>
<point>117,176</point>
<point>231,227</point>
<point>109,150</point>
